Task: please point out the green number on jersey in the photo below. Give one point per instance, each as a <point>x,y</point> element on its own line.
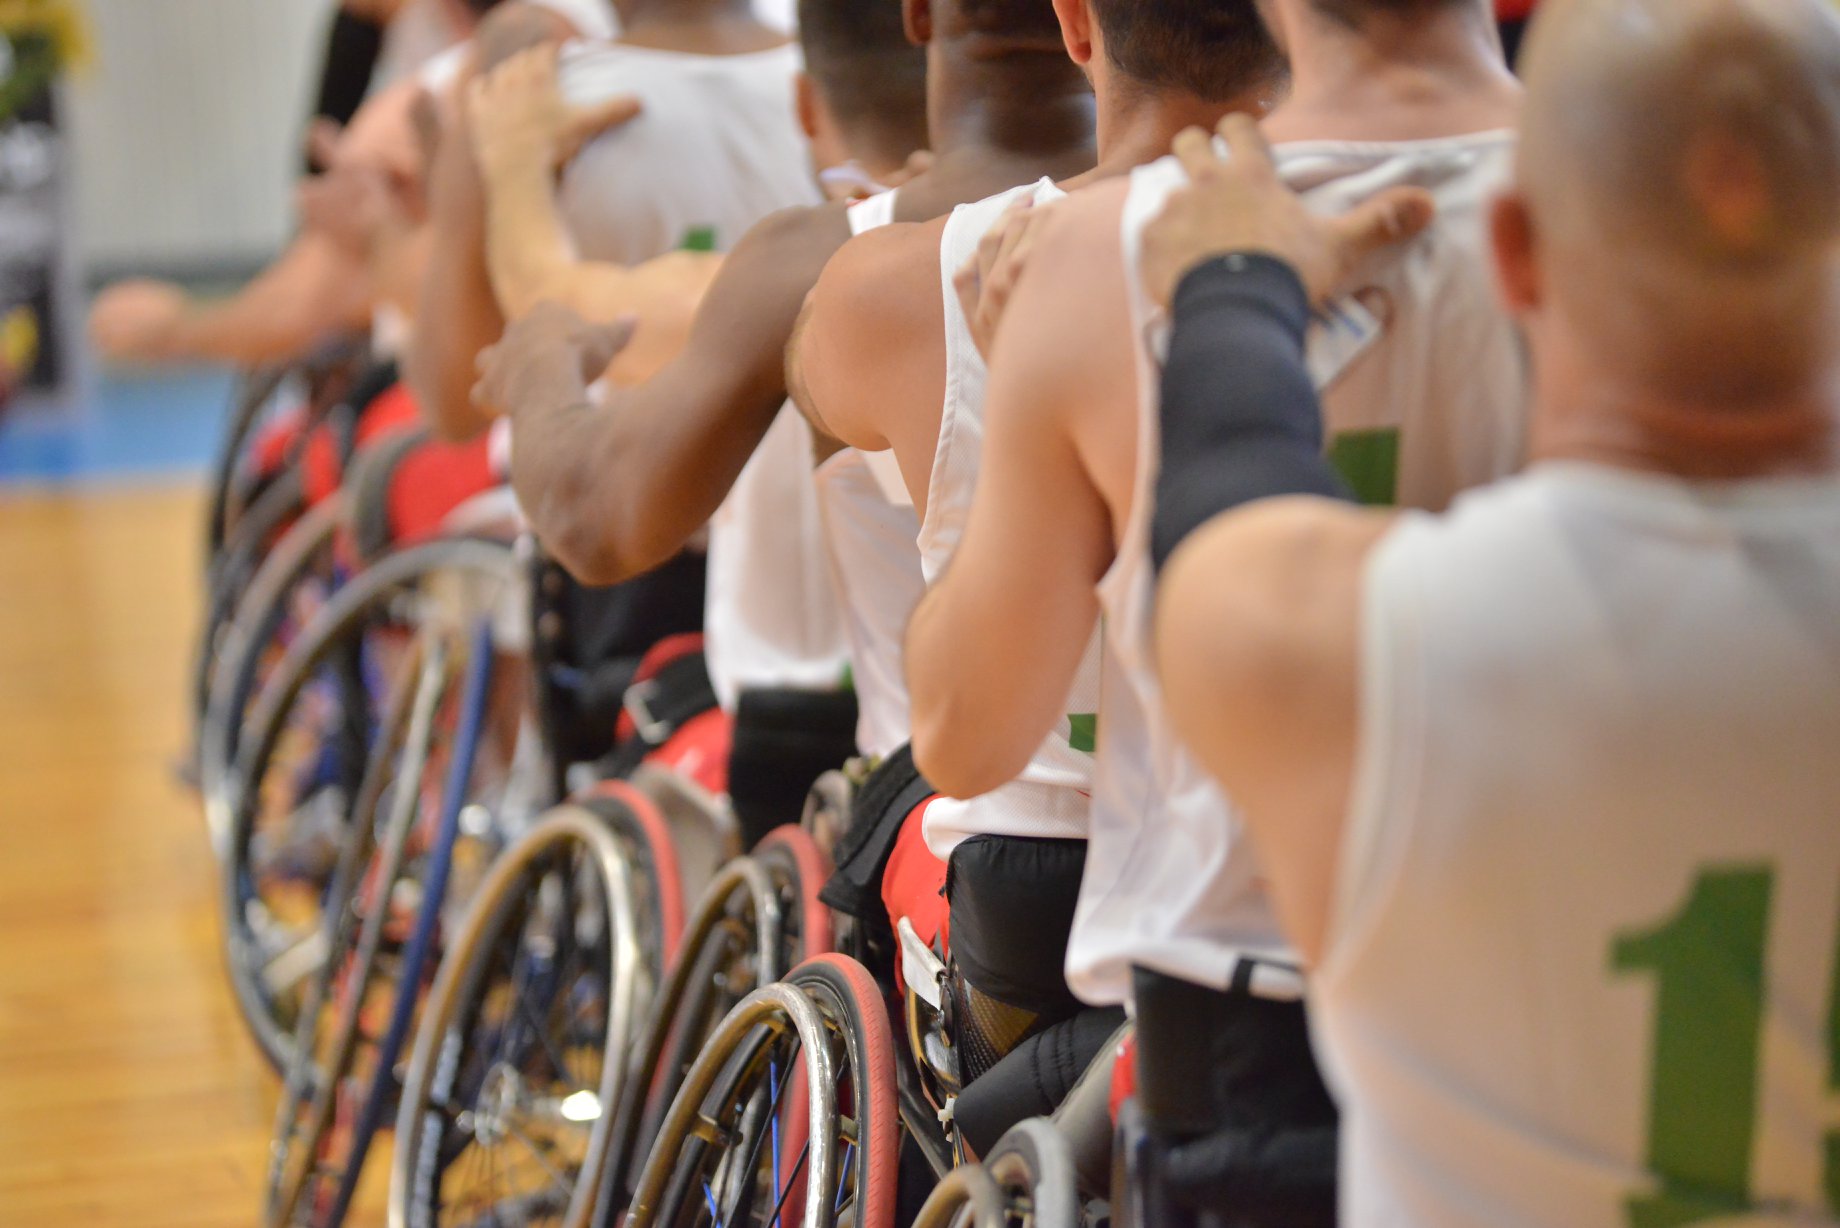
<point>1708,965</point>
<point>1369,462</point>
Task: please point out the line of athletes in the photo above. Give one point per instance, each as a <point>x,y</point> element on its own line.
<point>1482,859</point>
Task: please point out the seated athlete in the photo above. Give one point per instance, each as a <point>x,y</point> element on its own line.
<point>715,148</point>
<point>775,647</point>
<point>614,490</point>
<point>885,362</point>
<point>1426,393</point>
<point>1545,786</point>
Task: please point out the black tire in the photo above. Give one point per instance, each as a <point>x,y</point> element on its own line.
<point>234,569</point>
<point>259,944</point>
<point>244,652</point>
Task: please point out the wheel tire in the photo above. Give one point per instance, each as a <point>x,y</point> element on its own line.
<point>234,654</point>
<point>1032,1161</point>
<point>347,613</point>
<point>461,984</point>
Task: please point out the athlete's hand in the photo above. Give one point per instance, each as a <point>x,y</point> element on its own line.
<point>986,281</point>
<point>133,321</point>
<point>519,115</point>
<point>547,359</point>
<point>1239,204</point>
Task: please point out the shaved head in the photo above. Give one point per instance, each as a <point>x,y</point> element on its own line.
<point>1681,164</point>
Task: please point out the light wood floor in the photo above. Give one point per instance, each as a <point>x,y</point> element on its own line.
<point>129,1096</point>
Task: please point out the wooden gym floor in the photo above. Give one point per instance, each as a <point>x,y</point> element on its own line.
<point>129,1096</point>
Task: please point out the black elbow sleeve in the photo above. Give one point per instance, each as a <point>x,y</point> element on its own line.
<point>1241,420</point>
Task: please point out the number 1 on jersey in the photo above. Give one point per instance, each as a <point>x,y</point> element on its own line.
<point>1708,961</point>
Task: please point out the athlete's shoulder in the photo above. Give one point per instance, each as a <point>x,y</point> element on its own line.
<point>885,269</point>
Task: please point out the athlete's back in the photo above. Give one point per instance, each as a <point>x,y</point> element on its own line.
<point>1600,725</point>
<point>717,148</point>
<point>1425,395</point>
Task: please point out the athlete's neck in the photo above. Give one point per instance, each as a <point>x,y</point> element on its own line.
<point>1137,124</point>
<point>707,27</point>
<point>1409,77</point>
<point>1029,110</point>
<point>1614,424</point>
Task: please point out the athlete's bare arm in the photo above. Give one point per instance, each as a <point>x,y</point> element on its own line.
<point>457,315</point>
<point>868,366</point>
<point>994,647</point>
<point>315,290</point>
<point>617,488</point>
<point>1258,645</point>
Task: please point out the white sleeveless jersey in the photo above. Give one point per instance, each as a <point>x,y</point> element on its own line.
<point>869,537</point>
<point>717,149</point>
<point>771,612</point>
<point>1583,965</point>
<point>1052,798</point>
<point>1425,394</point>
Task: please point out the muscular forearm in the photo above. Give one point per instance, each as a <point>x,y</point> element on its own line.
<point>457,315</point>
<point>1240,418</point>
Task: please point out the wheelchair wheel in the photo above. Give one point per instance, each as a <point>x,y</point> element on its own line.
<point>357,910</point>
<point>304,759</point>
<point>254,390</point>
<point>507,1109</point>
<point>234,568</point>
<point>404,903</point>
<point>238,654</point>
<point>728,1153</point>
<point>1033,1167</point>
<point>966,1197</point>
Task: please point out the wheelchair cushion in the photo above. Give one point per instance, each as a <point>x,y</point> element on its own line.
<point>1035,1077</point>
<point>404,485</point>
<point>914,886</point>
<point>877,817</point>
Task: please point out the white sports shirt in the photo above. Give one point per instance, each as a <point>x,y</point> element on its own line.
<point>1583,968</point>
<point>1052,798</point>
<point>717,148</point>
<point>1425,392</point>
<point>869,533</point>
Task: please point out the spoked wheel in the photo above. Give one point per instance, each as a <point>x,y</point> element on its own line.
<point>507,1109</point>
<point>239,653</point>
<point>758,918</point>
<point>300,767</point>
<point>402,904</point>
<point>730,1153</point>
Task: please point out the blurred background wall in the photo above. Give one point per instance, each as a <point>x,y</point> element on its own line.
<point>184,131</point>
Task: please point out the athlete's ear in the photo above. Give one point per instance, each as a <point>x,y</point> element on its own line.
<point>1077,28</point>
<point>1515,241</point>
<point>806,101</point>
<point>918,14</point>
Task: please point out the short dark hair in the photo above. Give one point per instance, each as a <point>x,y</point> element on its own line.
<point>1212,49</point>
<point>858,54</point>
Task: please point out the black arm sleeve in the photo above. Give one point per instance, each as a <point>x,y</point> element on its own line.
<point>352,49</point>
<point>1240,417</point>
